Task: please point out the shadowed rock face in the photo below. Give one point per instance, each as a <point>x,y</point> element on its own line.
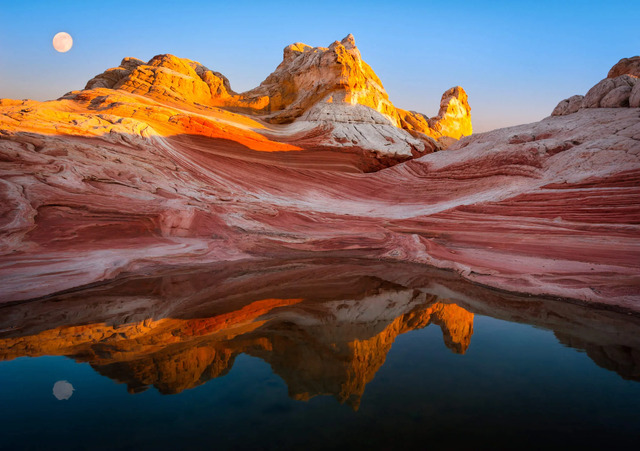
<point>325,327</point>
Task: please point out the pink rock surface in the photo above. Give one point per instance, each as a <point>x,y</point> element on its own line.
<point>107,182</point>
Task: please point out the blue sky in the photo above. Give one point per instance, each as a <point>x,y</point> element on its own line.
<point>515,59</point>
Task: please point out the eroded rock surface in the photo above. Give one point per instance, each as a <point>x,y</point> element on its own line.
<point>615,91</point>
<point>630,66</point>
<point>104,182</point>
<point>328,88</point>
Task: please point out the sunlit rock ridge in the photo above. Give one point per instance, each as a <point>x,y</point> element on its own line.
<point>161,164</point>
<point>331,86</point>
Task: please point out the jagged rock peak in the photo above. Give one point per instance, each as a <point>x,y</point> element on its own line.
<point>297,48</point>
<point>311,75</point>
<point>349,41</point>
<point>324,83</point>
<point>452,122</point>
<point>454,117</point>
<point>314,81</point>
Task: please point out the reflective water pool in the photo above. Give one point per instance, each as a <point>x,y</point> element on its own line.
<point>314,355</point>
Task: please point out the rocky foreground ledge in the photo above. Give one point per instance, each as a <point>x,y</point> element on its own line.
<point>137,176</point>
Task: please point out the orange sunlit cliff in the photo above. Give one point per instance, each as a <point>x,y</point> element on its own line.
<point>312,84</point>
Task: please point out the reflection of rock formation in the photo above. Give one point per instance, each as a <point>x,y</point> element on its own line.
<point>328,348</point>
<point>624,360</point>
<point>324,327</point>
<point>340,365</point>
<point>170,371</point>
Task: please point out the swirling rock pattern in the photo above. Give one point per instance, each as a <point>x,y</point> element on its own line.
<point>103,182</point>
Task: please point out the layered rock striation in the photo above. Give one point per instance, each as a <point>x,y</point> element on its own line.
<point>108,181</point>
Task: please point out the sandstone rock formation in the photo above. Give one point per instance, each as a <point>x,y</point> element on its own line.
<point>453,119</point>
<point>610,93</point>
<point>330,88</point>
<point>630,66</point>
<point>634,97</point>
<point>618,90</point>
<point>568,106</point>
<point>311,75</point>
<point>103,182</point>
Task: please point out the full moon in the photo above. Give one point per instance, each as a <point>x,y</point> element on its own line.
<point>62,42</point>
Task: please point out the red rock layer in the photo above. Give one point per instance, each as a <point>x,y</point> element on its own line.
<point>106,182</point>
<point>545,209</point>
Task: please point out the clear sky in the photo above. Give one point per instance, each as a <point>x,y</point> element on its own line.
<point>515,59</point>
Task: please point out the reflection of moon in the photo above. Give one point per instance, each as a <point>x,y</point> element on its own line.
<point>62,390</point>
<point>62,42</point>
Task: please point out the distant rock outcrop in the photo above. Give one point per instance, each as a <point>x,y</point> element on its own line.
<point>453,119</point>
<point>629,66</point>
<point>621,89</point>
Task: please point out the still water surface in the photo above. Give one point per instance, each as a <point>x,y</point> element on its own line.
<point>315,356</point>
